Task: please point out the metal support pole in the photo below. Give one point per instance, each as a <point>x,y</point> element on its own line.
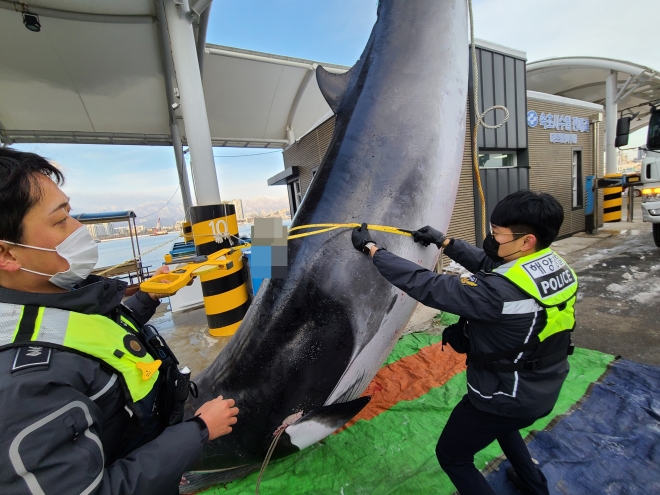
<point>597,173</point>
<point>181,169</point>
<point>193,105</point>
<point>631,203</point>
<point>168,69</point>
<point>611,114</point>
<point>201,37</point>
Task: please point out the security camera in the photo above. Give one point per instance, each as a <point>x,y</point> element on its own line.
<point>31,22</point>
<point>175,105</point>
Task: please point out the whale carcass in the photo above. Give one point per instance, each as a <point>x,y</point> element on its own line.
<point>311,343</point>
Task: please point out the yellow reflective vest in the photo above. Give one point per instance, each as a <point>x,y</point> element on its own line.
<point>96,336</point>
<point>547,278</point>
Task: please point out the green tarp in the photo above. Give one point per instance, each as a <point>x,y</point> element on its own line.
<point>394,453</point>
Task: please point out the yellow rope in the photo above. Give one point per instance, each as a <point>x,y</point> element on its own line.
<point>478,121</point>
<point>327,227</point>
<point>321,228</point>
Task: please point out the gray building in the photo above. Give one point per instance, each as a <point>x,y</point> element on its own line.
<point>513,157</point>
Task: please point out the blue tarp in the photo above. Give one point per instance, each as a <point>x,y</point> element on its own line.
<point>609,445</point>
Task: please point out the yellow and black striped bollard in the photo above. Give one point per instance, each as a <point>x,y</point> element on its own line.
<point>186,230</point>
<point>612,201</point>
<point>225,292</point>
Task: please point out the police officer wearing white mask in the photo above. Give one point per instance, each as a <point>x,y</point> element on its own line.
<point>516,317</point>
<point>86,386</point>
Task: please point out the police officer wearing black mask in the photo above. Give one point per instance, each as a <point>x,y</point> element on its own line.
<point>516,315</point>
<point>89,404</point>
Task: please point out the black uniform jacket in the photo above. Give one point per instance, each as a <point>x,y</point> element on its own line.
<point>62,426</point>
<point>499,317</point>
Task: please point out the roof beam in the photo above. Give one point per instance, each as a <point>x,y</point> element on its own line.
<point>586,62</point>
<point>623,88</point>
<point>168,73</point>
<point>76,16</point>
<point>263,143</point>
<point>4,139</point>
<point>577,88</point>
<point>271,60</point>
<point>201,38</point>
<point>642,80</point>
<point>44,136</point>
<point>296,103</point>
<point>197,8</point>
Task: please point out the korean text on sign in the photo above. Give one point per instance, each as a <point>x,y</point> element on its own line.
<point>563,122</point>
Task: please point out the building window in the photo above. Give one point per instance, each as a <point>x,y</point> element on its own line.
<point>295,196</point>
<point>576,179</point>
<point>497,159</point>
<point>296,192</point>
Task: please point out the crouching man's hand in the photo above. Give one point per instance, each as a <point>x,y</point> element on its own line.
<point>218,414</point>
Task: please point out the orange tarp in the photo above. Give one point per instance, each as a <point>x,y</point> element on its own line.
<point>410,378</point>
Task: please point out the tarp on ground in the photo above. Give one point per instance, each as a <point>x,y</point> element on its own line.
<point>610,444</point>
<point>390,447</point>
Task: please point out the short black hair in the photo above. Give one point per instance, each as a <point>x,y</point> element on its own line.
<point>20,189</point>
<point>531,213</point>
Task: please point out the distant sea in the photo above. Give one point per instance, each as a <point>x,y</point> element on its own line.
<point>115,251</point>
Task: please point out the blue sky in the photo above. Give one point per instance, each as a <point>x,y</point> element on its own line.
<point>101,176</point>
<point>336,32</point>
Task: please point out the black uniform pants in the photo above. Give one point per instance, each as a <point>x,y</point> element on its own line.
<point>470,430</point>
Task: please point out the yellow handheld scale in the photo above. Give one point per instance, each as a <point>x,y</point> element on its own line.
<point>167,284</point>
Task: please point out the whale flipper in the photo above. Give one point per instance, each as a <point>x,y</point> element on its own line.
<point>318,424</point>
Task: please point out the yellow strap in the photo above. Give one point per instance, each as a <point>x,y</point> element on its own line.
<point>169,283</point>
<point>327,227</point>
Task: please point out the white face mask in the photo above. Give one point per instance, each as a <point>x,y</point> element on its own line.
<point>80,251</point>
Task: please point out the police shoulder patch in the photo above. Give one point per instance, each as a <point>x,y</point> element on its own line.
<point>470,281</point>
<point>31,356</point>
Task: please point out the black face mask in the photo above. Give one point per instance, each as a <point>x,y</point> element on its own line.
<point>491,247</point>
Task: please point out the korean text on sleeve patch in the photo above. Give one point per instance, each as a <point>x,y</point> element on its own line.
<point>30,357</point>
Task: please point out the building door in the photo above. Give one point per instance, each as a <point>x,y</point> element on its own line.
<point>576,180</point>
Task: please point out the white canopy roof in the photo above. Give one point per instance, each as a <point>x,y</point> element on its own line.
<point>252,98</point>
<point>93,80</point>
<point>94,74</point>
<point>583,78</point>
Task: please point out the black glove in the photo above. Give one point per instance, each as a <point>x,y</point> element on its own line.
<point>428,235</point>
<point>361,238</point>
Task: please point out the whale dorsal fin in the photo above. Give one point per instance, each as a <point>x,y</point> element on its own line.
<point>332,86</point>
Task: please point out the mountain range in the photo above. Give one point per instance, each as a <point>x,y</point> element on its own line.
<point>148,213</point>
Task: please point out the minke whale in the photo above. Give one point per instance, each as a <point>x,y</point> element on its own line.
<point>311,342</point>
